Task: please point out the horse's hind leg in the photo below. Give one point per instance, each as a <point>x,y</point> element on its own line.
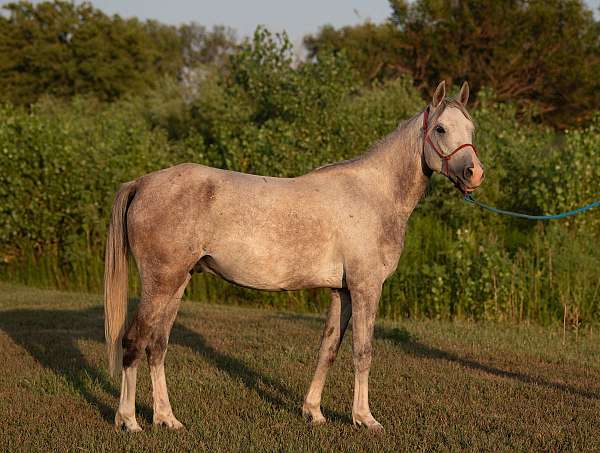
<point>156,351</point>
<point>154,311</point>
<point>125,417</point>
<point>339,314</point>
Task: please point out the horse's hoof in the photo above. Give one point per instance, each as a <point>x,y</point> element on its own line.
<point>376,427</point>
<point>317,421</point>
<point>169,421</point>
<point>127,423</point>
<point>370,423</point>
<point>313,416</point>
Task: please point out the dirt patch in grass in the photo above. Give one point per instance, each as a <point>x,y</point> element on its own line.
<point>237,377</point>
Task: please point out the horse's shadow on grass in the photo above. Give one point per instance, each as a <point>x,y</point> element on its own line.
<point>403,339</point>
<point>406,341</point>
<point>268,389</point>
<point>51,337</point>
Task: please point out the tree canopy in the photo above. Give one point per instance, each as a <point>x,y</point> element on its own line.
<point>62,49</point>
<point>544,54</point>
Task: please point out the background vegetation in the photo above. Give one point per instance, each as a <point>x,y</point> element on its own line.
<point>76,122</point>
<point>544,55</point>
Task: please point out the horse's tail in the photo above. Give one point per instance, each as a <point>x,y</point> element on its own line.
<point>115,278</point>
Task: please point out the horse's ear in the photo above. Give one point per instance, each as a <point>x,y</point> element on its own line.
<point>463,97</point>
<point>439,95</point>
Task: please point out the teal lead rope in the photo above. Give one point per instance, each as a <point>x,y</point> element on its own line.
<point>469,199</point>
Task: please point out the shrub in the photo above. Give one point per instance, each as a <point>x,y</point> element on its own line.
<point>62,163</point>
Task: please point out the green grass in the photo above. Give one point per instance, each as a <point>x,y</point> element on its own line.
<point>237,377</point>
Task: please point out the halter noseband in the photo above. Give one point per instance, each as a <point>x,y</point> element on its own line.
<point>445,157</point>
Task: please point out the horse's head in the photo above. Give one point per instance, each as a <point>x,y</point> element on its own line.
<point>448,139</point>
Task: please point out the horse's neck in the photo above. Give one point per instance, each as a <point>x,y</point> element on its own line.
<point>397,163</point>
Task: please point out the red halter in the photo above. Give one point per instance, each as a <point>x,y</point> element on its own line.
<point>445,157</point>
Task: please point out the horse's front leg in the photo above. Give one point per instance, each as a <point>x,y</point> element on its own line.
<point>339,314</point>
<point>365,301</point>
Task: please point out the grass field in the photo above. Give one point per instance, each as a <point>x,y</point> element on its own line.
<point>237,377</point>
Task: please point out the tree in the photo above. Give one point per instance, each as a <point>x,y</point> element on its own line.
<point>373,49</point>
<point>62,49</point>
<point>542,54</point>
<point>201,46</point>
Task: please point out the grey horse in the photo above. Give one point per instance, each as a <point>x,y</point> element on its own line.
<point>340,226</point>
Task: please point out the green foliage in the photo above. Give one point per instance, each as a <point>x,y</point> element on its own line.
<point>267,116</point>
<point>201,46</point>
<point>59,170</point>
<point>543,54</point>
<point>62,162</point>
<point>371,48</point>
<point>63,50</point>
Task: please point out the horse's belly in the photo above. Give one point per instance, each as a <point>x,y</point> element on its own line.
<point>275,270</point>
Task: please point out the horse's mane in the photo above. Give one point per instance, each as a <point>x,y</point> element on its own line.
<point>406,133</point>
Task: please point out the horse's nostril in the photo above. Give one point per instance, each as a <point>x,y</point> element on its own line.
<point>468,173</point>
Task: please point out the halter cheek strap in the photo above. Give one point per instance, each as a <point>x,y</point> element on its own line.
<point>445,157</point>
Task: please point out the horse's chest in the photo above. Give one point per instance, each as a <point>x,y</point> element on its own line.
<point>390,243</point>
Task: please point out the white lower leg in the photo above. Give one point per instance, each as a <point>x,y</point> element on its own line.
<point>337,320</point>
<point>360,407</point>
<point>364,312</point>
<point>163,414</point>
<point>312,402</point>
<point>126,412</point>
<point>361,413</point>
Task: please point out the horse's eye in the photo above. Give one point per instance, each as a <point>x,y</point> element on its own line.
<point>440,130</point>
